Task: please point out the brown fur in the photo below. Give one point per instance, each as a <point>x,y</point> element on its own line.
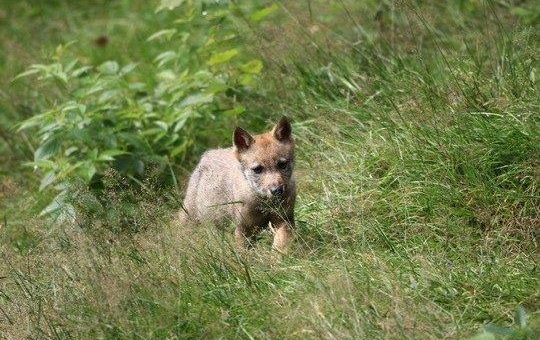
<point>251,184</point>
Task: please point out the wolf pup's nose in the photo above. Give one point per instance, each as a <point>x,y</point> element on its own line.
<point>277,191</point>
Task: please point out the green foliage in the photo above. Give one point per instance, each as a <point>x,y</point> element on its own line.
<point>108,115</point>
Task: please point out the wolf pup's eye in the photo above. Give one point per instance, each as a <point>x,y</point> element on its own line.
<point>258,169</point>
<point>282,164</point>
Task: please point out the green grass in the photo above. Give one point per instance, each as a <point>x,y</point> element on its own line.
<point>418,136</point>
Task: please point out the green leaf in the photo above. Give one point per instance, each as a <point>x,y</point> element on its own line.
<point>262,13</point>
<point>162,125</point>
<point>217,87</point>
<point>93,154</point>
<point>234,111</point>
<point>87,170</point>
<point>55,204</point>
<point>137,86</point>
<point>197,99</point>
<point>129,164</point>
<point>109,155</point>
<point>42,164</point>
<point>80,71</point>
<point>167,34</point>
<point>127,68</point>
<point>46,150</point>
<point>165,57</point>
<point>52,207</point>
<point>110,67</point>
<point>49,128</point>
<point>70,66</point>
<point>180,123</point>
<point>152,132</point>
<point>107,96</point>
<point>222,57</point>
<point>169,4</point>
<point>179,149</point>
<point>253,67</point>
<point>26,73</point>
<point>33,121</point>
<point>70,150</point>
<point>135,140</point>
<point>167,75</point>
<point>47,180</point>
<point>62,210</point>
<point>171,139</point>
<point>246,79</point>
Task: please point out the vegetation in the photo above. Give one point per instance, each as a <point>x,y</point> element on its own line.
<point>418,140</point>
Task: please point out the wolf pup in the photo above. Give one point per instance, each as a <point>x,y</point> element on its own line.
<point>249,184</point>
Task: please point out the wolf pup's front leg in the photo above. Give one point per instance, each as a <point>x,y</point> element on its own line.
<point>282,236</point>
<point>245,236</point>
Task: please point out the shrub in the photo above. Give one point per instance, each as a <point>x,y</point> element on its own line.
<point>110,116</point>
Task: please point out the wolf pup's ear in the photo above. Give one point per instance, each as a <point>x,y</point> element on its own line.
<point>282,131</point>
<point>242,139</point>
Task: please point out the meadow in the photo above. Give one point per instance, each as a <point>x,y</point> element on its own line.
<point>418,160</point>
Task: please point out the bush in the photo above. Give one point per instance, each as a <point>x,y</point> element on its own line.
<point>110,116</point>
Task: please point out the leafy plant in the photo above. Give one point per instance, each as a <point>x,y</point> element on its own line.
<point>108,117</point>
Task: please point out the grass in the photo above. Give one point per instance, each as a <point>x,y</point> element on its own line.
<point>418,162</point>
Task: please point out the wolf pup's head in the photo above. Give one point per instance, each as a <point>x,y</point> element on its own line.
<point>267,159</point>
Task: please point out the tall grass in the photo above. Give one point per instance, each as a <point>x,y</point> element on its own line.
<point>418,161</point>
